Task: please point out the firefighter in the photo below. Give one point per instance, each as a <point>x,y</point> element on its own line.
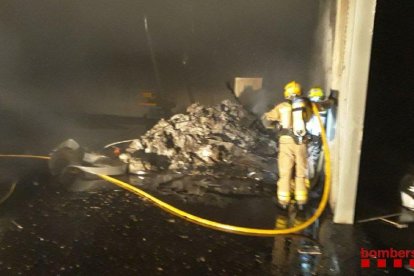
<point>317,96</point>
<point>291,116</point>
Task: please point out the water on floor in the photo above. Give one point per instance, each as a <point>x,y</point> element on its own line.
<point>95,228</point>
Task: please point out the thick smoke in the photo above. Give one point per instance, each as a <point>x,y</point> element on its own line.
<point>94,56</point>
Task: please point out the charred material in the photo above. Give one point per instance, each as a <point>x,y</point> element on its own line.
<point>206,140</point>
<point>69,158</point>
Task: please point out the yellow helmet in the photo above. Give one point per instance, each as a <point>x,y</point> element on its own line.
<point>292,89</point>
<point>316,94</point>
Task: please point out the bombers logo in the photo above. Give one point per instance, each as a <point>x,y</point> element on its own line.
<point>387,257</point>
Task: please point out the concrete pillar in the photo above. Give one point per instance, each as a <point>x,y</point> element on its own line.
<point>351,59</point>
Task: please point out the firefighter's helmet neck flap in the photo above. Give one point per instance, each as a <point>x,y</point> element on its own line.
<point>316,95</point>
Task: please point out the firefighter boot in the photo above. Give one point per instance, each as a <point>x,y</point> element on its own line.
<point>283,194</point>
<point>301,192</point>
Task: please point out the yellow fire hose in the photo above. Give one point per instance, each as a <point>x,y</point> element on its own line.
<point>221,226</point>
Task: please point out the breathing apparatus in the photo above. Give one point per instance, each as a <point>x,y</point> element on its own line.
<point>293,92</point>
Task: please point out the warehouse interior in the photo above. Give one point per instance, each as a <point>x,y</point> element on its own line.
<point>105,71</point>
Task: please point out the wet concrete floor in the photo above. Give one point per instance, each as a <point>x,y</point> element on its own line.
<point>102,230</point>
<point>46,230</point>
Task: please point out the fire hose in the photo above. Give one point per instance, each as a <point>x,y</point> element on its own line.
<point>218,225</point>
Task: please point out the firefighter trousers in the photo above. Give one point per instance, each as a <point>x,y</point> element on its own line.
<point>292,162</point>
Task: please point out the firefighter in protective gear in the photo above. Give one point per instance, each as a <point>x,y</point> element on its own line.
<point>317,96</point>
<point>291,116</point>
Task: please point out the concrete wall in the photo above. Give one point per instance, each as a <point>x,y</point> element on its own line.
<point>351,59</point>
<point>320,72</point>
<point>340,65</point>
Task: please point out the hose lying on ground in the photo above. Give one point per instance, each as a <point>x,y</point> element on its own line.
<point>9,192</point>
<point>221,226</point>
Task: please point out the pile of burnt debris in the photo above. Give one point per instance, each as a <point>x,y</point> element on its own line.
<point>222,139</point>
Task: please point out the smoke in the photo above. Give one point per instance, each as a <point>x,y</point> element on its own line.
<point>76,55</point>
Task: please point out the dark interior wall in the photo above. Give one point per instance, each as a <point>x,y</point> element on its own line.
<point>388,144</point>
<point>322,50</point>
<point>96,55</point>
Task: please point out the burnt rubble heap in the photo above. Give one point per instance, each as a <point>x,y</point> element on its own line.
<point>206,139</point>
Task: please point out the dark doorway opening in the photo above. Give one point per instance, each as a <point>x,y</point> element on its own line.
<point>388,144</point>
